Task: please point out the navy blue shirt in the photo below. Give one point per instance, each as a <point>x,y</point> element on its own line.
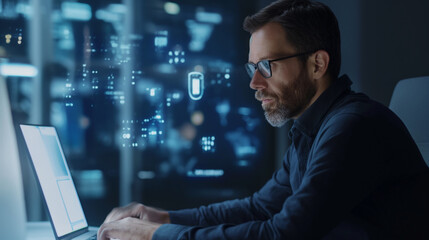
<point>351,172</point>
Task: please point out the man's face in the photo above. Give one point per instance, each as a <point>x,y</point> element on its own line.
<point>289,91</point>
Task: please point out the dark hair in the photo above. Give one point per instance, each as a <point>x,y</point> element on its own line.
<point>309,26</point>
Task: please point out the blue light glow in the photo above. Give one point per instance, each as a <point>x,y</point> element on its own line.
<point>206,173</point>
<point>223,108</point>
<point>107,16</point>
<point>117,8</point>
<point>24,9</point>
<point>200,33</point>
<point>245,145</point>
<point>76,11</point>
<point>146,174</point>
<point>244,111</point>
<point>18,70</point>
<point>208,144</point>
<point>161,39</point>
<point>176,57</point>
<point>207,17</point>
<point>171,8</point>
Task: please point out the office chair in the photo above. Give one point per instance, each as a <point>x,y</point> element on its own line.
<point>410,101</point>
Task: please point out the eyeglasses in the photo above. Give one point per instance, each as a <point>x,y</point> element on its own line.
<point>264,66</point>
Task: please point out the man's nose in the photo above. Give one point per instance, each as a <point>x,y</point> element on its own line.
<point>258,82</point>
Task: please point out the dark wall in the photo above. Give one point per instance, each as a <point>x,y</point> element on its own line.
<point>394,43</point>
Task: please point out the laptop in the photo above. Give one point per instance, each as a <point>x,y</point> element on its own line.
<point>59,192</point>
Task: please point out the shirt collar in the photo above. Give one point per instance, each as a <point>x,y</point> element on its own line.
<point>309,122</point>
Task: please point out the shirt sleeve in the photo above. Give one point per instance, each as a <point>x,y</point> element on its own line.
<point>344,167</point>
<point>260,206</point>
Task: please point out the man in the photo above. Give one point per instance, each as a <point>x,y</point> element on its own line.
<point>351,172</point>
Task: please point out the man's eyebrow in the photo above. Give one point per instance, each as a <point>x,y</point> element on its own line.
<point>260,59</point>
<point>269,57</point>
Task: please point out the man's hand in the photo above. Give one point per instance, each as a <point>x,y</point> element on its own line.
<point>127,229</point>
<point>140,211</point>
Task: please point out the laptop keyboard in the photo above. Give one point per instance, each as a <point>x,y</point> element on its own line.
<point>93,237</point>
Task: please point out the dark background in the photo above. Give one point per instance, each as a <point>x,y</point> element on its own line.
<point>382,43</point>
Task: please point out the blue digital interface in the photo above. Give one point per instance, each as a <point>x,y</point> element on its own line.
<point>193,122</point>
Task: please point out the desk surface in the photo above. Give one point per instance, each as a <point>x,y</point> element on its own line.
<point>42,231</point>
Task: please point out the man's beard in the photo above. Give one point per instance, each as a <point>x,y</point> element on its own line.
<point>292,101</point>
<point>277,117</point>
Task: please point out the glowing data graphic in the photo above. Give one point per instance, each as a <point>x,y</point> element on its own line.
<point>195,85</point>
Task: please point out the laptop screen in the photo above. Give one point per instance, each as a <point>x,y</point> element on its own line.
<point>54,177</point>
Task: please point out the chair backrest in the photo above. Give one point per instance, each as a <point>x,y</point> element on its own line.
<point>410,101</point>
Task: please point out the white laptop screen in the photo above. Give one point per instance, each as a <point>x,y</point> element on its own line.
<point>55,180</point>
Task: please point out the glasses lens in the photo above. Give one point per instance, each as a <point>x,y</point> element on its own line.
<point>250,69</point>
<point>264,68</point>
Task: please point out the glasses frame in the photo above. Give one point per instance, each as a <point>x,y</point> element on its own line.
<point>253,67</point>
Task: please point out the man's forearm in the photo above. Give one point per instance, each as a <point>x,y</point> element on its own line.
<point>234,211</point>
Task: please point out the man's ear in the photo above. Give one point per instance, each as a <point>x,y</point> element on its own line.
<point>320,62</point>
